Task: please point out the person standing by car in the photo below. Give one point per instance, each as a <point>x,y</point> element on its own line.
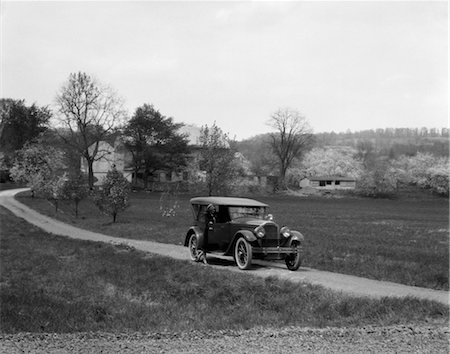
<point>209,222</point>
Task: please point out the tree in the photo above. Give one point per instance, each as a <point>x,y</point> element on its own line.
<point>439,179</point>
<point>366,153</point>
<point>76,189</point>
<point>426,171</point>
<point>20,124</point>
<point>258,151</point>
<point>112,197</point>
<point>380,181</point>
<point>154,142</point>
<point>37,166</point>
<point>292,137</point>
<point>331,162</point>
<point>53,190</point>
<point>89,112</point>
<point>217,160</point>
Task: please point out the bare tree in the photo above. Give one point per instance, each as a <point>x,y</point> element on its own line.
<point>88,112</point>
<point>293,135</point>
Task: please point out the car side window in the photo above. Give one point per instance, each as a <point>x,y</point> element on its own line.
<point>202,213</point>
<point>222,215</point>
<point>195,209</point>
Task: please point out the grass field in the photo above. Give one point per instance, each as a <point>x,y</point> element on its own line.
<point>404,240</point>
<point>56,284</point>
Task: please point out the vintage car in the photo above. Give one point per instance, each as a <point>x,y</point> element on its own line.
<point>241,228</point>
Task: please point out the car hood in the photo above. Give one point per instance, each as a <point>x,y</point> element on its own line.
<point>249,222</point>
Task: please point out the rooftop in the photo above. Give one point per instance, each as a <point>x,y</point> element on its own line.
<point>332,178</point>
<point>231,201</point>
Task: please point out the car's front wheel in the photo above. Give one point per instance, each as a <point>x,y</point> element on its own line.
<point>243,253</point>
<point>193,247</point>
<point>294,260</point>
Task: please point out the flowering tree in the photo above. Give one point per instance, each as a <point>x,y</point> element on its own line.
<point>53,190</point>
<point>439,179</point>
<point>378,182</point>
<point>37,166</point>
<point>112,198</point>
<point>426,171</point>
<point>217,160</point>
<point>332,162</point>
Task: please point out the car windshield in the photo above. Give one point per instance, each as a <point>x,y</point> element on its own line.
<point>247,212</point>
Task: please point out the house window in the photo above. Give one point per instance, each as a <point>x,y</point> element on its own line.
<point>329,183</point>
<point>322,183</point>
<point>185,176</point>
<point>337,183</point>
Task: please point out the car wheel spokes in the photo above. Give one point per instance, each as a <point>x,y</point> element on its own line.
<point>193,249</point>
<point>293,260</point>
<point>242,253</point>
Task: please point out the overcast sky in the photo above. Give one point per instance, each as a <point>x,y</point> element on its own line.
<point>343,65</point>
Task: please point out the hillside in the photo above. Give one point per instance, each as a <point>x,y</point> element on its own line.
<point>391,142</point>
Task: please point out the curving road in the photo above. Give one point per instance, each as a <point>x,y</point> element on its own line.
<point>338,282</point>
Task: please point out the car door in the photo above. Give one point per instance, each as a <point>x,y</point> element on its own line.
<point>218,234</point>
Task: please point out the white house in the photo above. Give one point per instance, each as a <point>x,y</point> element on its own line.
<point>116,154</point>
<point>107,157</point>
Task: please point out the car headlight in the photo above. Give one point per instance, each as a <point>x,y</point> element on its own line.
<point>285,231</point>
<point>260,232</point>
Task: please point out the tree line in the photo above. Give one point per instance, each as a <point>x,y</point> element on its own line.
<point>393,141</point>
<point>87,113</point>
<point>423,132</point>
<point>43,147</point>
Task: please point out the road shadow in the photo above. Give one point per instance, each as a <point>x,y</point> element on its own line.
<point>228,262</point>
<point>223,261</point>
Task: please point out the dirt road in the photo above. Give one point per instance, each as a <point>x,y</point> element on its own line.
<point>334,281</point>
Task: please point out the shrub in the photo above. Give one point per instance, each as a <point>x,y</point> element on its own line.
<point>112,197</point>
<point>426,171</point>
<point>53,190</point>
<point>76,189</point>
<point>438,180</point>
<point>378,183</point>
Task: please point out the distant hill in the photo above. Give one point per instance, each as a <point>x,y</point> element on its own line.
<point>391,142</point>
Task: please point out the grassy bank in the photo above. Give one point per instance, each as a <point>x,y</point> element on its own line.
<point>55,284</point>
<point>403,240</point>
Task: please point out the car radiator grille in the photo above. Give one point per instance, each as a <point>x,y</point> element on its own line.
<point>271,238</point>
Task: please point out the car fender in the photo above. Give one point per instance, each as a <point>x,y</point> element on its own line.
<point>247,234</point>
<point>197,231</point>
<point>296,236</point>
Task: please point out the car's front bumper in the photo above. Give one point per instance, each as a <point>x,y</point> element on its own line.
<point>276,250</point>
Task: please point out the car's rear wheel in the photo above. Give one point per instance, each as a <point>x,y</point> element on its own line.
<point>193,248</point>
<point>243,253</point>
<point>294,260</point>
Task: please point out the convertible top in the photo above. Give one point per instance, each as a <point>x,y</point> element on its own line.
<point>230,201</point>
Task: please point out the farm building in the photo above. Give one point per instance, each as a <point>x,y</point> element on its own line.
<point>329,182</point>
<point>114,153</point>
